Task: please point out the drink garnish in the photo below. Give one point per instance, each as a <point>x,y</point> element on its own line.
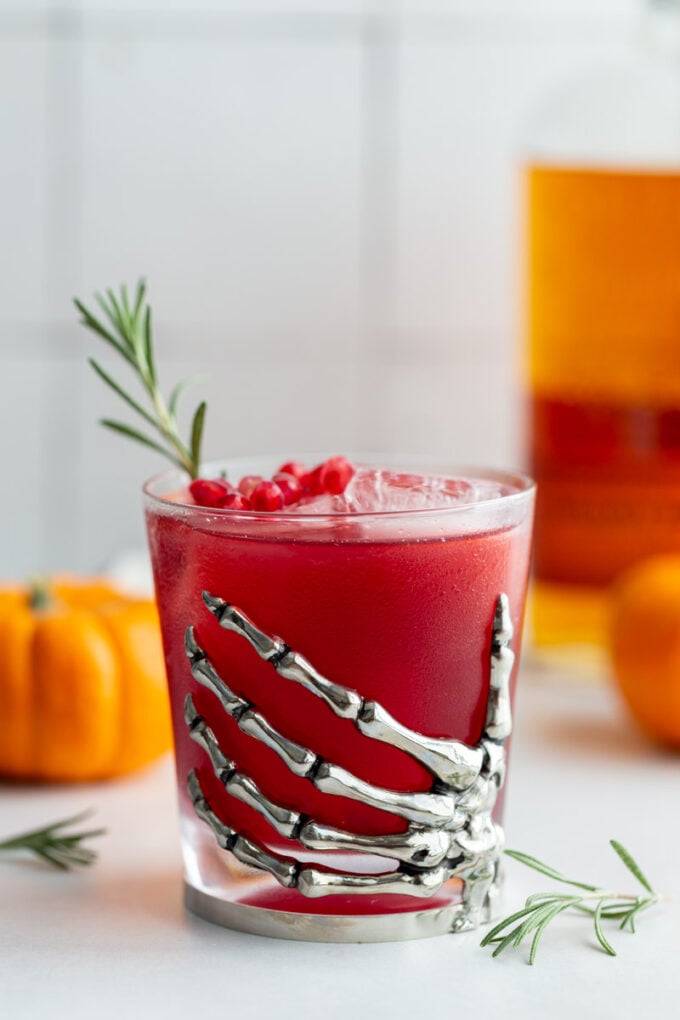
<point>266,496</point>
<point>290,486</point>
<point>210,492</point>
<point>542,908</point>
<point>127,329</point>
<point>294,468</point>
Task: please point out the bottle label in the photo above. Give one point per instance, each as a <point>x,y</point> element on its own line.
<point>608,488</point>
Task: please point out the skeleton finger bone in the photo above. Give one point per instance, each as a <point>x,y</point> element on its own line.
<point>452,762</point>
<point>432,809</point>
<point>420,847</point>
<point>287,663</point>
<point>417,846</point>
<point>308,880</point>
<point>494,760</point>
<point>499,714</point>
<point>314,882</point>
<point>299,759</point>
<point>283,869</point>
<point>436,809</point>
<point>284,821</point>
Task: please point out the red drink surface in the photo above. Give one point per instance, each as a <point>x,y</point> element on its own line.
<point>400,610</point>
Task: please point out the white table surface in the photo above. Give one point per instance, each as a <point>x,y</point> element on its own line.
<point>113,941</point>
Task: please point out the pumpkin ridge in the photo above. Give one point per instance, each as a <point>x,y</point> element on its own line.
<point>76,689</point>
<point>145,726</point>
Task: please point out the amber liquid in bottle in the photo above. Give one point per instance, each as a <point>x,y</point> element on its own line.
<point>604,377</point>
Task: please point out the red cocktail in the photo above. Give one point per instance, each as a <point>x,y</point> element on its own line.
<point>391,593</point>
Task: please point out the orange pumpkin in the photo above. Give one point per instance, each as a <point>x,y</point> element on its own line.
<point>82,682</point>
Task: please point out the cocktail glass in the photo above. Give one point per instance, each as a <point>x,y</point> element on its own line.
<point>341,688</point>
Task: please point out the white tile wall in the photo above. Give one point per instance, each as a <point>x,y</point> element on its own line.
<point>24,112</point>
<point>229,172</point>
<point>324,199</point>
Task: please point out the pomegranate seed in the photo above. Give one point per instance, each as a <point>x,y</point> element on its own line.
<point>335,474</point>
<point>235,501</point>
<point>311,482</point>
<point>266,496</point>
<point>290,487</point>
<point>209,492</point>
<point>294,468</point>
<point>248,483</point>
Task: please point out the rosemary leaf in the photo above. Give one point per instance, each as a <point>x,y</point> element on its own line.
<point>51,858</point>
<point>111,314</point>
<point>141,294</point>
<point>127,430</point>
<point>148,347</point>
<point>117,311</point>
<point>631,864</point>
<point>597,916</point>
<point>538,935</point>
<point>635,910</point>
<point>95,325</point>
<point>117,388</point>
<point>545,869</point>
<point>197,431</point>
<point>550,915</point>
<point>491,935</point>
<point>535,921</point>
<point>51,844</point>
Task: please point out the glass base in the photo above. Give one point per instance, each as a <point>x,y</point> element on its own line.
<point>222,890</point>
<point>283,924</point>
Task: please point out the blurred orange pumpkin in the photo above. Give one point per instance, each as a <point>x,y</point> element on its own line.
<point>82,682</point>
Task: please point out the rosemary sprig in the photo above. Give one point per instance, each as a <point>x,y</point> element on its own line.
<point>52,844</point>
<point>127,329</point>
<point>542,908</point>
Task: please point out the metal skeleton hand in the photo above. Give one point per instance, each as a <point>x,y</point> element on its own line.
<point>450,831</point>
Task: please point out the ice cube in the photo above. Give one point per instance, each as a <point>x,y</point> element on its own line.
<point>379,491</point>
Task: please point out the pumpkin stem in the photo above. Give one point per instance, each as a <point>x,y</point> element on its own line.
<point>39,594</point>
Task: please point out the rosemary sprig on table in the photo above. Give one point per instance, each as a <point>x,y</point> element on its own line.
<point>52,844</point>
<point>542,908</point>
<point>127,329</point>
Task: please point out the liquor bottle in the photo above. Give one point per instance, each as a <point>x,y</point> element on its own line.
<point>603,319</point>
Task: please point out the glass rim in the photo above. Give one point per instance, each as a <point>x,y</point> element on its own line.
<point>524,485</point>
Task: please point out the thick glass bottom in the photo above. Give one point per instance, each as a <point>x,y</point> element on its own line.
<point>220,889</point>
<point>283,924</point>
